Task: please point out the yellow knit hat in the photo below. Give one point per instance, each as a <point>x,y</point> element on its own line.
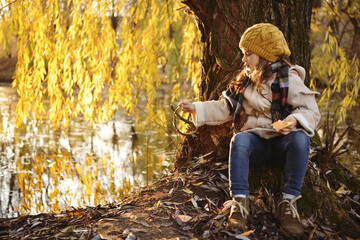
<point>266,41</point>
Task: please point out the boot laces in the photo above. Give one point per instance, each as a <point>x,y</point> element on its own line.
<point>234,205</point>
<point>291,208</point>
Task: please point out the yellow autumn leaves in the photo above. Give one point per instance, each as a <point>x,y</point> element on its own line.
<point>71,60</point>
<point>333,68</point>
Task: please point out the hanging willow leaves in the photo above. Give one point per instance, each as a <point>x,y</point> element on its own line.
<point>89,57</point>
<point>340,74</point>
<point>335,64</point>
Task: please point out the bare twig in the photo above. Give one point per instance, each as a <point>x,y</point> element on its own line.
<point>337,14</point>
<point>8,5</point>
<point>176,114</point>
<point>167,130</point>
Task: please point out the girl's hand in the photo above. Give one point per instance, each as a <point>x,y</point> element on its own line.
<point>187,106</point>
<point>292,123</point>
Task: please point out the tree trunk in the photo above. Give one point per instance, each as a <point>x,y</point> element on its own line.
<point>222,23</point>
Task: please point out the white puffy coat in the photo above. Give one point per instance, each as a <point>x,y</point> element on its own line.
<point>257,107</point>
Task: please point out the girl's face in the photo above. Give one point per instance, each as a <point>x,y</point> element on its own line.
<point>251,60</point>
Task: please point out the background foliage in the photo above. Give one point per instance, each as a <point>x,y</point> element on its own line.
<point>335,31</point>
<point>89,57</point>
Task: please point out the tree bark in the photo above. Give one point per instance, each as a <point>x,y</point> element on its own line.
<point>222,23</point>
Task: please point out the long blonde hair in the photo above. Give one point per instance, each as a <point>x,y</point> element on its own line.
<point>257,78</point>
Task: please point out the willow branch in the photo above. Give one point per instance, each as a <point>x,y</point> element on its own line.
<point>8,5</point>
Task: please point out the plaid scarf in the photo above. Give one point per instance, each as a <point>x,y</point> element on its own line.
<point>235,95</point>
<point>280,87</point>
<point>279,108</point>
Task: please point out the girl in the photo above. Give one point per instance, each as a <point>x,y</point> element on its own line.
<point>280,114</point>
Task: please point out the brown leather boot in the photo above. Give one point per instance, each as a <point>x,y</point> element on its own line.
<point>239,212</point>
<point>288,216</point>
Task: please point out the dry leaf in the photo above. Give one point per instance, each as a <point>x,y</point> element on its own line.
<point>341,191</point>
<point>183,218</point>
<point>278,125</point>
<point>328,184</point>
<point>193,201</point>
<point>312,232</point>
<point>247,233</point>
<point>222,167</point>
<point>311,155</point>
<point>197,184</point>
<point>188,191</point>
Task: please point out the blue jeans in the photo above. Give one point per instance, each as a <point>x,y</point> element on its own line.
<point>290,151</point>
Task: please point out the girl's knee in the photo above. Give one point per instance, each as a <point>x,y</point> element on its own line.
<point>241,138</point>
<point>242,142</point>
<point>300,140</point>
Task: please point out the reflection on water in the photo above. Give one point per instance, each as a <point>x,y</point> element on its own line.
<point>44,170</point>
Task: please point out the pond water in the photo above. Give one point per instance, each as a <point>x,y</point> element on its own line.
<point>43,170</point>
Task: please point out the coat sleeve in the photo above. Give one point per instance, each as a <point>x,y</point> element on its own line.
<point>303,101</point>
<point>211,112</point>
